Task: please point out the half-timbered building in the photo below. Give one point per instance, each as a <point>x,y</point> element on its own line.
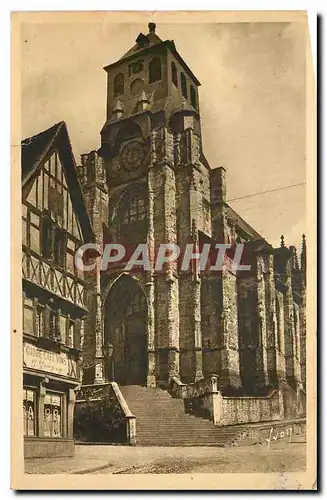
<point>54,224</point>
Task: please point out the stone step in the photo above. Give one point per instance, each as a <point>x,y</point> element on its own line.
<point>161,421</point>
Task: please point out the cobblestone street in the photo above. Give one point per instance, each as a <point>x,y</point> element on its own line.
<point>94,459</point>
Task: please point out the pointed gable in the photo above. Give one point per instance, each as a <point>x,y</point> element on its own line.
<point>50,180</point>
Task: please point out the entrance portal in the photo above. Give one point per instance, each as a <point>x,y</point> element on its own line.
<point>125,327</point>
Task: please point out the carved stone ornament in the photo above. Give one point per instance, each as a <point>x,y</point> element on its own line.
<point>132,156</point>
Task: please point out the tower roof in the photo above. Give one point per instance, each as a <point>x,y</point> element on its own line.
<point>147,42</point>
<point>144,41</point>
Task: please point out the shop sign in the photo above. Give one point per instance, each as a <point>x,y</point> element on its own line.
<point>48,361</point>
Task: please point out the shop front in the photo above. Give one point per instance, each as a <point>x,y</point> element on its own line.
<point>50,379</point>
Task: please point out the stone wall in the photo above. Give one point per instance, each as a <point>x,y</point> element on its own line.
<point>281,404</point>
<point>229,346</point>
<point>261,324</point>
<point>48,448</point>
<point>269,433</point>
<point>280,344</point>
<point>247,331</point>
<point>210,324</point>
<point>93,179</point>
<point>203,399</point>
<point>250,409</point>
<point>186,333</point>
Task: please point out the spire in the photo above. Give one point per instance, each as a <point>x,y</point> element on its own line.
<point>143,101</point>
<point>152,27</point>
<point>282,241</point>
<point>118,110</point>
<point>144,41</point>
<point>304,254</point>
<point>295,262</point>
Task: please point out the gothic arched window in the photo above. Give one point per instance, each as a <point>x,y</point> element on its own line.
<point>119,84</point>
<point>193,96</point>
<point>155,70</point>
<point>184,85</point>
<point>135,210</point>
<point>174,76</point>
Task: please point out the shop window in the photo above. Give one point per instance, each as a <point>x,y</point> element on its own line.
<point>29,412</point>
<point>184,85</point>
<point>174,76</point>
<point>155,70</point>
<point>28,317</point>
<point>119,84</point>
<point>52,415</point>
<point>193,96</point>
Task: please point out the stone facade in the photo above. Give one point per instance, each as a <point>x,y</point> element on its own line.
<point>150,183</point>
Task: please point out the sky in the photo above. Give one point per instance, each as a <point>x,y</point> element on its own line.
<point>252,102</point>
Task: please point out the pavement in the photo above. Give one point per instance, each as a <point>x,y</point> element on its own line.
<point>108,459</point>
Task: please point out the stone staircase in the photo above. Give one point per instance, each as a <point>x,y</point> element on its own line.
<point>162,421</point>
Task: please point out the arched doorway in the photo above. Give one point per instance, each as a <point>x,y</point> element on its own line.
<point>125,329</point>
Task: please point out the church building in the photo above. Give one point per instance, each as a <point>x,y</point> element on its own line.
<point>228,344</point>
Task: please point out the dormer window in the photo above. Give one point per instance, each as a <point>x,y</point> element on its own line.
<point>174,76</point>
<point>184,85</point>
<point>119,84</point>
<point>193,96</point>
<point>155,70</point>
<point>142,41</point>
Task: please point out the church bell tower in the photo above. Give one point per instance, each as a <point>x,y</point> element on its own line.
<point>159,192</point>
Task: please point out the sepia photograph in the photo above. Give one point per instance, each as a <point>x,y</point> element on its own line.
<point>163,271</point>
